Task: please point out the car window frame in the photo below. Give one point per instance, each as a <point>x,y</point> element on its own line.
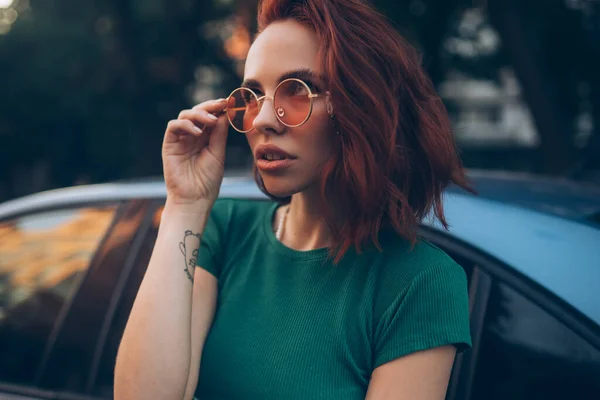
<point>493,271</point>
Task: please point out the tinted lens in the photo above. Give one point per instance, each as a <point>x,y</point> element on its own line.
<point>292,102</point>
<point>242,108</point>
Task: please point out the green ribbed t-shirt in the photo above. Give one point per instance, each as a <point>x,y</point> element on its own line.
<point>291,325</point>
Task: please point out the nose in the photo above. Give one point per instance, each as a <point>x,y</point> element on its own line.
<point>266,121</point>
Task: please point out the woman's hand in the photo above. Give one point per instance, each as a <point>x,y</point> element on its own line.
<point>193,154</point>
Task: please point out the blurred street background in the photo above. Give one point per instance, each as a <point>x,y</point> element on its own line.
<point>87,87</point>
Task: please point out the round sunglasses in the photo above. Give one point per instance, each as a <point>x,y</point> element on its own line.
<point>292,104</point>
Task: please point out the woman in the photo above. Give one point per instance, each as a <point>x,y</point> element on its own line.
<point>327,292</point>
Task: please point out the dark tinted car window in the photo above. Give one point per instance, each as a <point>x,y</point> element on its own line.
<point>526,353</point>
<point>42,257</point>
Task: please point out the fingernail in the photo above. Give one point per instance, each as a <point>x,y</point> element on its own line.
<point>220,100</point>
<point>213,117</point>
<point>197,130</point>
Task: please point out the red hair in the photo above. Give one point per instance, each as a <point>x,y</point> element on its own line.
<point>397,152</point>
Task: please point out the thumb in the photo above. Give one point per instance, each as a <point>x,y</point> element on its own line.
<point>218,138</point>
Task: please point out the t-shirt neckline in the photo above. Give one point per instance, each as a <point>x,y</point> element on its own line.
<point>283,249</point>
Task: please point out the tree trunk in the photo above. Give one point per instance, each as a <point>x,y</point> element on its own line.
<point>556,137</point>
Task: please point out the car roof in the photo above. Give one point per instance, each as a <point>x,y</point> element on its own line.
<point>559,253</point>
<point>557,196</point>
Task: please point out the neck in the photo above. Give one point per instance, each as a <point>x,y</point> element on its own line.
<point>305,227</point>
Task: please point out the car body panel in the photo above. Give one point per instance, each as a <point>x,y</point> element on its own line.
<point>560,254</point>
<point>110,192</point>
<point>557,196</point>
<point>6,396</point>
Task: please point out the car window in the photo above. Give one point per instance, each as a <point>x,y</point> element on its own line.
<point>42,257</point>
<point>527,353</point>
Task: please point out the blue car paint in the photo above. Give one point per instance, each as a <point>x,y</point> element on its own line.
<point>560,254</point>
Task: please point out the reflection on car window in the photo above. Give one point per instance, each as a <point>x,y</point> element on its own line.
<point>41,258</point>
<point>526,353</point>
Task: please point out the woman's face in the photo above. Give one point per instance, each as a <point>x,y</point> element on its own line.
<point>282,48</point>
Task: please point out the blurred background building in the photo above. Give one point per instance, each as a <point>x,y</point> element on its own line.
<point>86,88</point>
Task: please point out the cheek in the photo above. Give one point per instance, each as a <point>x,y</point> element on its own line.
<point>252,139</point>
<point>322,138</point>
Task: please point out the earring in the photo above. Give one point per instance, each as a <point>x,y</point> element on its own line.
<point>330,109</point>
<point>332,116</point>
<point>335,125</point>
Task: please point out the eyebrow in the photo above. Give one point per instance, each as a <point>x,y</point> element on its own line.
<point>305,74</point>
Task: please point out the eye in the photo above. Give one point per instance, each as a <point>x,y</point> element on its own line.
<point>313,87</point>
<point>257,91</point>
<point>294,88</point>
<point>247,97</point>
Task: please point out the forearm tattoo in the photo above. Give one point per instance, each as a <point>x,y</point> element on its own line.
<point>189,248</point>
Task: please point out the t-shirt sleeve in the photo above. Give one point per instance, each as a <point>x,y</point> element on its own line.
<point>210,254</point>
<point>432,311</point>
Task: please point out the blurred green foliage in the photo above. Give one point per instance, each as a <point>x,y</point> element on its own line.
<point>87,87</point>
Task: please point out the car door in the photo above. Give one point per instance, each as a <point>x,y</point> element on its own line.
<point>527,343</point>
<point>58,272</point>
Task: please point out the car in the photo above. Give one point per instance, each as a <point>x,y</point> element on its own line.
<point>71,261</point>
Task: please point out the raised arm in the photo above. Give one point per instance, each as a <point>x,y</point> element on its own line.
<point>159,354</point>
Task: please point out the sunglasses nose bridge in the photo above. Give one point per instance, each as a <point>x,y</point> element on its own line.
<point>262,99</point>
<point>268,121</point>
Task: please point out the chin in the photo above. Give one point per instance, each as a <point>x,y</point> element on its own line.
<point>280,186</point>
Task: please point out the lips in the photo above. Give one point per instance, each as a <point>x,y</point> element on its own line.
<point>270,158</point>
<point>270,152</point>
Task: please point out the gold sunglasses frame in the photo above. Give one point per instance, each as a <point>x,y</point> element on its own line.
<point>260,101</point>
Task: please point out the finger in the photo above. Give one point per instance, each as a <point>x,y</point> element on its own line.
<point>218,138</point>
<point>212,106</point>
<point>199,117</point>
<point>181,127</point>
<point>184,127</point>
